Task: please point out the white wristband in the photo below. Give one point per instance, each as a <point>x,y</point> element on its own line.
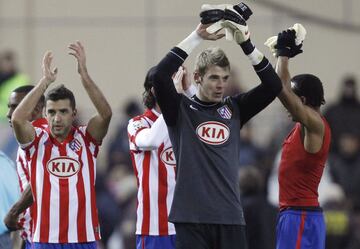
<point>190,42</point>
<point>255,57</point>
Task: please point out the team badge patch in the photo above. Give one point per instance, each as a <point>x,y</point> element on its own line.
<point>137,124</point>
<point>225,112</point>
<point>75,145</point>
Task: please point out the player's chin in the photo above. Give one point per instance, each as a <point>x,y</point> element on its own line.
<point>217,98</point>
<point>57,131</point>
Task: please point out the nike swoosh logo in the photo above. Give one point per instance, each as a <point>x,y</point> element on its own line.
<point>192,107</point>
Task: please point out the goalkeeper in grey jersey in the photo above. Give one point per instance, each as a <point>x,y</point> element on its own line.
<point>204,131</point>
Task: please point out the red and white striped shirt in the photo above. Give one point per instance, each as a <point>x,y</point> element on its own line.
<point>62,177</point>
<point>154,165</point>
<point>25,220</point>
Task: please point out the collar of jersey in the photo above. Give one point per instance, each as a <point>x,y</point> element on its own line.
<point>151,114</point>
<point>203,103</point>
<point>68,139</point>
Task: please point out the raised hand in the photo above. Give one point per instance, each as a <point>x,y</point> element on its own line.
<point>182,80</point>
<point>204,34</point>
<point>78,51</point>
<point>48,74</point>
<point>286,44</point>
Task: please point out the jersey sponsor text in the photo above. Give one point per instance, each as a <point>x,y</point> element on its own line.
<point>213,132</point>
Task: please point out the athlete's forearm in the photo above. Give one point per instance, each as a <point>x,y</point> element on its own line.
<point>25,201</point>
<point>151,138</point>
<point>23,130</point>
<point>261,96</point>
<point>20,206</point>
<point>165,91</point>
<point>96,96</point>
<point>24,110</point>
<point>166,94</point>
<point>263,68</point>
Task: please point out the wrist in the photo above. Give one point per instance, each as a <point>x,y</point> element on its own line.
<point>190,42</point>
<point>44,83</point>
<point>255,57</point>
<point>83,70</point>
<point>247,46</point>
<point>85,77</point>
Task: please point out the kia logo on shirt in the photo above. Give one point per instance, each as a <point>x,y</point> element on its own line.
<point>168,157</point>
<point>63,167</point>
<point>213,132</point>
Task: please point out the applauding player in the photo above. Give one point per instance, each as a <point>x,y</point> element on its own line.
<point>205,134</point>
<point>304,153</point>
<point>62,159</point>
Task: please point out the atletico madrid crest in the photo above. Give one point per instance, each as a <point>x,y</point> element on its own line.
<point>75,145</point>
<point>225,112</point>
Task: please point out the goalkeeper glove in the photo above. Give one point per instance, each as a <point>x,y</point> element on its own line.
<point>235,20</point>
<point>300,37</point>
<point>286,45</point>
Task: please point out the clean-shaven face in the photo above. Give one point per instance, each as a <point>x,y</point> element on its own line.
<point>213,84</point>
<point>60,117</point>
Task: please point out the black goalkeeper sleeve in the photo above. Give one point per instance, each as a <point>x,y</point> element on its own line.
<point>165,92</point>
<point>255,100</point>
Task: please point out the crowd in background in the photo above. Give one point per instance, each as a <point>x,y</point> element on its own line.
<point>339,192</point>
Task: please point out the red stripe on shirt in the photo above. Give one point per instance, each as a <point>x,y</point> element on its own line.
<point>20,183</point>
<point>146,193</point>
<point>31,210</point>
<point>94,215</point>
<point>24,168</point>
<point>163,186</point>
<point>81,215</point>
<point>301,230</point>
<point>34,206</point>
<point>134,167</point>
<point>45,201</point>
<point>64,203</point>
<point>33,189</point>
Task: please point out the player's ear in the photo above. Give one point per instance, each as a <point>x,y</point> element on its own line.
<point>197,77</point>
<point>74,112</point>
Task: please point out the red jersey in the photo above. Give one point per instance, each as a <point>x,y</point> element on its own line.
<point>62,178</point>
<point>300,171</point>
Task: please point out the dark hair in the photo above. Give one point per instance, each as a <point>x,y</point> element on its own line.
<point>26,89</point>
<point>148,97</point>
<point>59,93</point>
<point>310,87</point>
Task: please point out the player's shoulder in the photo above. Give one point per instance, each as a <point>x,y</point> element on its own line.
<point>40,123</point>
<point>137,123</point>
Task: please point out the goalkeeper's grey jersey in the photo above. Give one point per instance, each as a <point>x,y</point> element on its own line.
<point>205,141</point>
<point>206,144</point>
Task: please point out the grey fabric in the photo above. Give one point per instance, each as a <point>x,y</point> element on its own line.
<point>5,241</point>
<point>207,187</point>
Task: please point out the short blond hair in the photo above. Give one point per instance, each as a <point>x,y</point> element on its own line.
<point>211,57</point>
